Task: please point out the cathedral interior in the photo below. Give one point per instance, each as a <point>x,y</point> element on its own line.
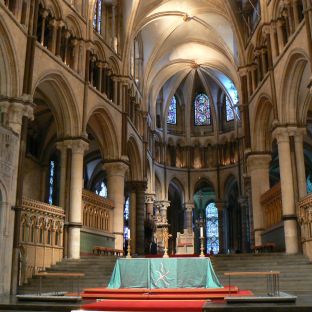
<point>122,118</point>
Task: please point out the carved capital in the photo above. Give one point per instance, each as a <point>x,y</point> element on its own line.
<point>149,198</point>
<point>281,134</point>
<point>117,168</point>
<point>258,161</point>
<point>189,206</point>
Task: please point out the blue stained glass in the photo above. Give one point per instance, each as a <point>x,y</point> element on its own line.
<point>102,191</point>
<point>229,110</point>
<point>97,18</point>
<point>309,184</point>
<point>202,110</point>
<point>172,112</point>
<point>126,219</point>
<point>51,181</point>
<point>212,228</point>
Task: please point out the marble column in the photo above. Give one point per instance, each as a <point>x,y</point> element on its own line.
<point>287,189</point>
<point>115,185</point>
<point>258,169</point>
<point>220,205</point>
<point>188,217</point>
<point>78,148</point>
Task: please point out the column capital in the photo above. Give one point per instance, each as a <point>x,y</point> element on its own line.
<point>189,205</point>
<point>281,134</point>
<point>149,198</point>
<point>258,161</point>
<point>266,29</point>
<point>116,168</point>
<point>164,204</point>
<point>243,70</point>
<point>77,145</point>
<point>298,133</point>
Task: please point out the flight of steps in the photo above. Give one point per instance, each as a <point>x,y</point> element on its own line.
<point>295,277</point>
<point>97,270</point>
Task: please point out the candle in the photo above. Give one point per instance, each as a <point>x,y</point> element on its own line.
<point>201,231</point>
<point>128,233</point>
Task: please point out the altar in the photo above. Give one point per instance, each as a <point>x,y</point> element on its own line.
<point>164,273</point>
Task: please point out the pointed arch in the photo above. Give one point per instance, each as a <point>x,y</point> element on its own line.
<point>100,121</point>
<point>177,184</point>
<point>55,90</point>
<point>262,124</point>
<point>135,160</point>
<point>9,74</point>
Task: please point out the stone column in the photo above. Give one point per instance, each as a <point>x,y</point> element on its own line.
<point>62,147</point>
<point>164,205</point>
<point>52,42</point>
<point>140,207</point>
<point>220,205</point>
<point>287,189</point>
<point>188,217</point>
<point>273,41</point>
<point>296,13</point>
<point>258,169</point>
<point>44,15</point>
<point>78,148</point>
<point>149,201</point>
<point>298,134</point>
<point>243,202</point>
<point>115,186</point>
<point>254,78</point>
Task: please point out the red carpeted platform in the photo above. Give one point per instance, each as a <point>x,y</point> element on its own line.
<point>146,305</point>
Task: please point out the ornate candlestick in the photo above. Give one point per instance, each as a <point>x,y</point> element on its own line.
<point>202,247</point>
<point>165,236</point>
<point>129,249</point>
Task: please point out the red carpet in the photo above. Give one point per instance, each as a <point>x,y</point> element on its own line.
<point>147,305</point>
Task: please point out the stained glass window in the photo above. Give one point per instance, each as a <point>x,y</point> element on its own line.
<point>309,184</point>
<point>97,18</point>
<point>172,112</point>
<point>126,219</point>
<point>202,110</point>
<point>212,228</point>
<point>51,182</point>
<point>102,190</point>
<point>229,110</point>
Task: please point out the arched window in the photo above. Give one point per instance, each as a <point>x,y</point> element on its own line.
<point>202,115</point>
<point>101,190</point>
<point>212,228</point>
<point>51,182</point>
<point>229,110</point>
<point>172,112</point>
<point>126,218</point>
<point>97,18</point>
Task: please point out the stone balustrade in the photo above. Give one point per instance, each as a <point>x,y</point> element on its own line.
<point>97,212</point>
<point>41,236</point>
<point>271,202</point>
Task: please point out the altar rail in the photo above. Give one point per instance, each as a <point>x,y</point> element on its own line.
<point>271,202</point>
<point>97,212</point>
<point>41,236</point>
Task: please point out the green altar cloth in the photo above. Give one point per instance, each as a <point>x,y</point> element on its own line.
<point>164,273</point>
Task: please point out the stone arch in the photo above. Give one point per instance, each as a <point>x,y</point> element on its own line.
<point>290,86</point>
<point>101,124</point>
<point>178,186</point>
<point>202,182</point>
<point>55,89</point>
<point>74,26</point>
<point>135,169</point>
<point>55,8</point>
<point>114,65</point>
<point>262,125</point>
<point>9,81</point>
<point>3,203</point>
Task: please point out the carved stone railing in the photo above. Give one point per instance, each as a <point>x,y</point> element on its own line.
<point>271,202</point>
<point>97,212</point>
<point>41,236</point>
<point>304,207</point>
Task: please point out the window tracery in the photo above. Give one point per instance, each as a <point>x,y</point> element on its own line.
<point>212,228</point>
<point>172,112</point>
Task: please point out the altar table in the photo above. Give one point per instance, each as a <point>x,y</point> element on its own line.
<point>164,273</point>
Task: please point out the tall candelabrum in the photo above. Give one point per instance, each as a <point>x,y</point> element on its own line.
<point>202,238</point>
<point>129,245</point>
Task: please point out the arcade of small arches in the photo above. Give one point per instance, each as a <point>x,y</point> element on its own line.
<point>138,115</point>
